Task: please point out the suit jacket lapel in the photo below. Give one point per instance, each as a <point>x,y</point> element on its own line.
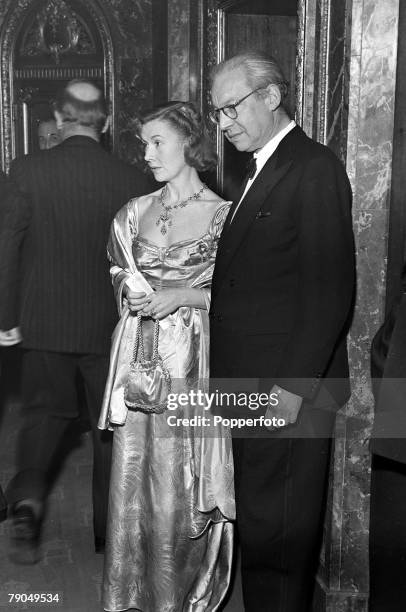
<point>234,232</point>
<point>236,201</point>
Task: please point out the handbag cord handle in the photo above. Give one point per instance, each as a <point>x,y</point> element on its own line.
<point>139,340</point>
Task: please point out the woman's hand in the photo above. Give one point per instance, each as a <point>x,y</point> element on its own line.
<point>163,302</point>
<point>135,300</point>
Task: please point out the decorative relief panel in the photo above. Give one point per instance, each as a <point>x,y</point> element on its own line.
<point>60,73</point>
<point>55,31</point>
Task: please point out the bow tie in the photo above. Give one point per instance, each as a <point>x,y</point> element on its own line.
<point>251,168</point>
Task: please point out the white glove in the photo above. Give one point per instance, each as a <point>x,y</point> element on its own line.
<point>10,336</point>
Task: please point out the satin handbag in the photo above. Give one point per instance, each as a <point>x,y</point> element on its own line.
<point>149,383</point>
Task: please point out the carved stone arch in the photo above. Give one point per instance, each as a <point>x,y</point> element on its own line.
<point>14,21</point>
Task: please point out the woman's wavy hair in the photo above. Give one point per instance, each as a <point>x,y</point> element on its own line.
<point>187,121</point>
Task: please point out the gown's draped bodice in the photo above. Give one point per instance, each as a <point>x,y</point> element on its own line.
<point>179,264</point>
<point>174,266</point>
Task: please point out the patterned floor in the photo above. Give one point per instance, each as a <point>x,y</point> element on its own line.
<point>69,567</point>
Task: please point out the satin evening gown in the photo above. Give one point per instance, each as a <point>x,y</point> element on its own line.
<point>170,532</point>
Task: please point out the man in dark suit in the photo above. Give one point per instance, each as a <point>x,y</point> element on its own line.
<point>8,337</point>
<point>61,297</point>
<point>281,299</point>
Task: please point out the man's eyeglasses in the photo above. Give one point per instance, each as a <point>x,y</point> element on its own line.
<point>230,110</point>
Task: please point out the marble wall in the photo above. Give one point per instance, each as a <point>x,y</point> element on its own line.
<point>132,30</point>
<point>186,34</point>
<point>369,161</point>
<point>369,155</point>
<point>336,114</point>
<point>179,49</point>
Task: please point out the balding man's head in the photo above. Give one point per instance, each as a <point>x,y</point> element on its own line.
<point>85,91</point>
<point>80,103</point>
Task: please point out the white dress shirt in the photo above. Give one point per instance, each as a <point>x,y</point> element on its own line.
<point>262,155</point>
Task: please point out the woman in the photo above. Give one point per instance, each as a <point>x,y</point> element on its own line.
<point>169,535</point>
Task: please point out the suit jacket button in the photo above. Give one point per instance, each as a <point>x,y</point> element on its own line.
<point>232,282</point>
<point>219,318</point>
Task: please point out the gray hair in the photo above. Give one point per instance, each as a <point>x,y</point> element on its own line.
<point>260,70</point>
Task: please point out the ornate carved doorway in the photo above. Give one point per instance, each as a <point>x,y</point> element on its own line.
<point>44,44</point>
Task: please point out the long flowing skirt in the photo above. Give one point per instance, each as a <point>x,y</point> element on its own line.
<point>162,553</point>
